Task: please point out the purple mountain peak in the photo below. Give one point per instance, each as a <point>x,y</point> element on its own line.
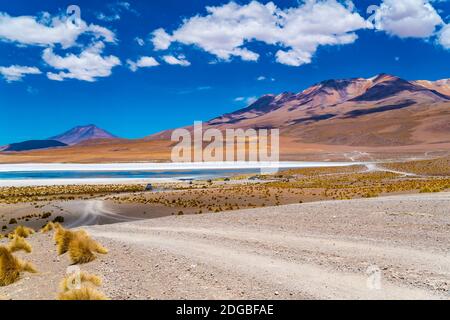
<point>83,133</point>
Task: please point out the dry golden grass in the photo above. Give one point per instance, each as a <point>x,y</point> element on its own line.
<point>49,227</point>
<point>82,248</point>
<point>434,167</point>
<point>11,195</point>
<point>79,244</point>
<point>85,278</point>
<point>322,171</point>
<point>22,231</point>
<point>62,239</point>
<point>18,243</point>
<point>11,267</point>
<point>86,290</point>
<point>84,293</point>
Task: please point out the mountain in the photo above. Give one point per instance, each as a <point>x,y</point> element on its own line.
<point>384,110</point>
<point>384,116</point>
<point>33,145</point>
<point>442,86</point>
<point>83,133</point>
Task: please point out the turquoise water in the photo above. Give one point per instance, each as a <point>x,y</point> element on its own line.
<point>179,174</point>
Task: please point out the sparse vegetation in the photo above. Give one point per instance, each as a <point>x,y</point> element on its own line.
<point>11,267</point>
<point>434,167</point>
<point>79,244</point>
<point>86,289</point>
<point>23,231</point>
<point>49,227</point>
<point>84,293</point>
<point>83,277</point>
<point>19,243</point>
<point>11,195</point>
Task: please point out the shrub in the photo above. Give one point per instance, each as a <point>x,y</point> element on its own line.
<point>49,227</point>
<point>84,293</point>
<point>46,215</point>
<point>12,221</point>
<point>18,243</point>
<point>23,232</point>
<point>62,238</point>
<point>82,248</point>
<point>85,278</point>
<point>59,219</point>
<point>11,267</point>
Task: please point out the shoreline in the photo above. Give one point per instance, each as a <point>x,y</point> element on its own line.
<point>153,166</point>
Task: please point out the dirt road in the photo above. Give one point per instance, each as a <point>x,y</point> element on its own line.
<point>382,248</point>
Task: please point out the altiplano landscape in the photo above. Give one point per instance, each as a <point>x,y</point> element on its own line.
<point>360,213</point>
<point>383,117</point>
<point>248,236</point>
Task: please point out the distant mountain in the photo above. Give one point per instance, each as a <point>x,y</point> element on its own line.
<point>33,145</point>
<point>83,133</point>
<point>384,110</point>
<point>384,114</point>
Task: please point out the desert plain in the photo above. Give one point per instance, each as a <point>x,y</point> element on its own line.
<point>368,231</point>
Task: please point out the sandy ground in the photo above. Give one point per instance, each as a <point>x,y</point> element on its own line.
<point>324,250</point>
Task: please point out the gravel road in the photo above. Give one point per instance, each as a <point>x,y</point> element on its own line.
<point>394,247</point>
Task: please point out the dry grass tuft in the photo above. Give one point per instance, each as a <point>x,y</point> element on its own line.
<point>85,278</point>
<point>50,226</point>
<point>82,248</point>
<point>18,243</point>
<point>85,293</point>
<point>23,231</point>
<point>63,237</point>
<point>79,244</point>
<point>11,267</point>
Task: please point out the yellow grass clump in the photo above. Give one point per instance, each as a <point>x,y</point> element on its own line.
<point>86,289</point>
<point>22,231</point>
<point>82,248</point>
<point>62,239</point>
<point>18,243</point>
<point>11,267</point>
<point>84,293</point>
<point>49,227</point>
<point>69,281</point>
<point>79,244</point>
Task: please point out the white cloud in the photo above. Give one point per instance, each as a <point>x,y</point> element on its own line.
<point>113,17</point>
<point>161,39</point>
<point>297,32</point>
<point>180,60</point>
<point>143,62</point>
<point>264,78</point>
<point>116,9</point>
<point>46,31</point>
<point>444,37</point>
<point>88,66</point>
<point>16,73</point>
<point>407,18</point>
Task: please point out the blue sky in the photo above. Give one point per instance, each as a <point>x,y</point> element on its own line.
<point>201,63</point>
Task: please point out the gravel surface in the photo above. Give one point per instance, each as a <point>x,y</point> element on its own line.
<point>322,250</point>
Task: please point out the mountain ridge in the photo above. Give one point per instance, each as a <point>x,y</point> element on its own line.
<point>325,107</point>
